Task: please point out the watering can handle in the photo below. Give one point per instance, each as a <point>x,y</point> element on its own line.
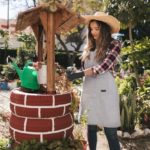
<point>9,59</point>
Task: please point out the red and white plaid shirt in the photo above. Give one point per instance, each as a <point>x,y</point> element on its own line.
<point>110,59</point>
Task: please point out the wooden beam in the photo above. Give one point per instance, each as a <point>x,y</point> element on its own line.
<point>38,32</point>
<point>50,44</point>
<point>44,19</point>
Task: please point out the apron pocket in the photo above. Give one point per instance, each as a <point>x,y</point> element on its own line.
<point>103,90</point>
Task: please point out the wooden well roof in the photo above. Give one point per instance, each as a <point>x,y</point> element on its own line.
<point>64,18</point>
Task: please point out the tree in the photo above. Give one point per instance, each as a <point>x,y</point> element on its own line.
<point>130,13</point>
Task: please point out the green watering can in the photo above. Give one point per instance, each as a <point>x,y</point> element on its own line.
<point>28,75</point>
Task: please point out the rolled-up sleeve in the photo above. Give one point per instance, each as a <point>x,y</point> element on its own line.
<point>110,59</point>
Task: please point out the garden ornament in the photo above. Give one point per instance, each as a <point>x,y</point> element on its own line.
<point>28,75</point>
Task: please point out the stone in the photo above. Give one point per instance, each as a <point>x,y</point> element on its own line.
<point>126,135</point>
<point>146,131</point>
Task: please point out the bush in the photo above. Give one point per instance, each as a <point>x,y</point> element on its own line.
<point>62,144</point>
<point>3,144</point>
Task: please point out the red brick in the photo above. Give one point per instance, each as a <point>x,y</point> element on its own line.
<point>69,132</point>
<point>23,136</point>
<point>39,125</point>
<point>54,136</point>
<point>39,100</point>
<point>27,112</point>
<point>67,109</point>
<point>52,112</point>
<point>12,108</point>
<point>16,98</point>
<point>62,99</point>
<point>63,122</point>
<point>17,122</point>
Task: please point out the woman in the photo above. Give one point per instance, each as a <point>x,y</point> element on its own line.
<point>99,97</point>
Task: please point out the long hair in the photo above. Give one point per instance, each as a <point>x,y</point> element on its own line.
<point>101,45</point>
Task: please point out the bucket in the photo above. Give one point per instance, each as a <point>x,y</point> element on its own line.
<point>42,74</point>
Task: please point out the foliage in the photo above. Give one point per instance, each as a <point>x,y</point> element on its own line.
<point>9,73</point>
<point>73,41</point>
<point>24,55</point>
<point>28,41</point>
<point>139,46</point>
<point>128,112</point>
<point>127,87</point>
<point>27,51</point>
<point>140,53</point>
<point>67,144</point>
<point>134,101</point>
<point>5,36</point>
<point>143,103</point>
<point>130,12</point>
<point>3,144</point>
<point>88,6</point>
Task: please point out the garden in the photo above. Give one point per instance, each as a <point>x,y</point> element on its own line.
<point>132,74</point>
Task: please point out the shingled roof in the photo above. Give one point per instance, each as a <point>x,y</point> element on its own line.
<point>65,19</point>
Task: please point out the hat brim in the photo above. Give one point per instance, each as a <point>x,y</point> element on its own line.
<point>108,19</point>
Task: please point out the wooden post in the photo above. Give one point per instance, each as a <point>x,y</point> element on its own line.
<point>50,44</point>
<point>38,32</point>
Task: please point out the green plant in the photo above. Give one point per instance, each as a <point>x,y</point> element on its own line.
<point>127,91</point>
<point>24,55</point>
<point>5,36</point>
<point>9,73</point>
<point>28,41</point>
<point>3,144</point>
<point>143,105</point>
<point>128,112</point>
<point>63,144</point>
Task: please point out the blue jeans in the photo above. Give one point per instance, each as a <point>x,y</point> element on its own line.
<point>111,135</point>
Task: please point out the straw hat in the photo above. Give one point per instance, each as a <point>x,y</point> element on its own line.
<point>108,19</point>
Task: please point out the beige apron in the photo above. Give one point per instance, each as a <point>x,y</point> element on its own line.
<point>100,99</point>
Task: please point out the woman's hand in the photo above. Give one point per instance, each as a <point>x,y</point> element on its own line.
<point>37,65</point>
<point>89,72</point>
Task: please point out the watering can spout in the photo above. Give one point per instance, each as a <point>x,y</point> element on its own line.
<point>18,70</point>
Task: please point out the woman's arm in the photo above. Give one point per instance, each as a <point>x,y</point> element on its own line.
<point>110,59</point>
<point>107,63</point>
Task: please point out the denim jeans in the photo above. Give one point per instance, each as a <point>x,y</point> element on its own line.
<point>111,135</point>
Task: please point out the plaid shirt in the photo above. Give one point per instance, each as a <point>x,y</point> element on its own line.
<point>110,59</point>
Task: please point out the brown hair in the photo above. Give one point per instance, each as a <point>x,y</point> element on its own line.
<point>102,44</point>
